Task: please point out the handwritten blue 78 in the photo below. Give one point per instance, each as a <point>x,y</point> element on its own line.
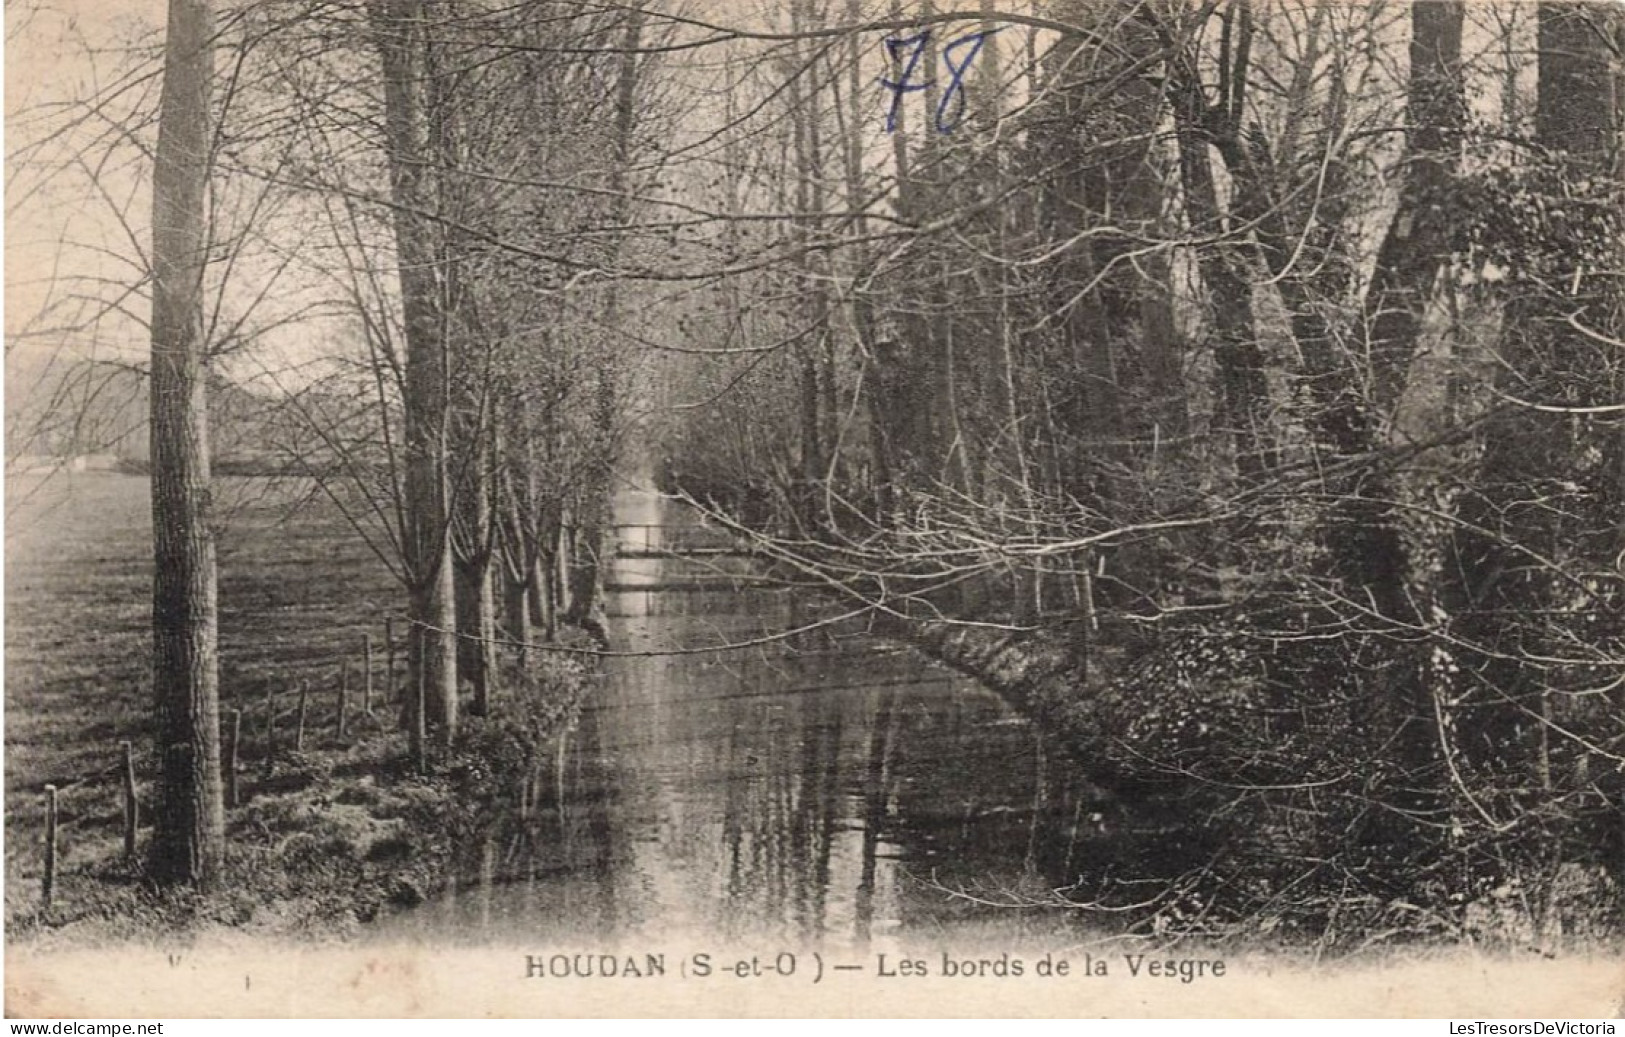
<point>957,56</point>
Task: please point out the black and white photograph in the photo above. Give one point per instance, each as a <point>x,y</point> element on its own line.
<point>833,508</point>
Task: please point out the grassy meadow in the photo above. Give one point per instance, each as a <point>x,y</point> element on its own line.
<point>298,590</point>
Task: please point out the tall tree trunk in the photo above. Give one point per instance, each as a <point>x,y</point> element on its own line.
<point>401,34</point>
<point>1418,240</point>
<point>528,531</point>
<point>812,452</point>
<point>863,316</point>
<point>541,593</point>
<point>475,549</point>
<point>586,605</point>
<point>1111,399</point>
<point>189,824</point>
<point>1362,531</point>
<point>1243,390</point>
<point>474,337</point>
<point>903,367</point>
<point>476,628</point>
<point>819,265</point>
<point>515,608</point>
<point>1544,487</point>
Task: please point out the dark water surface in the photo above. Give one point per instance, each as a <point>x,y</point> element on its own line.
<point>829,788</point>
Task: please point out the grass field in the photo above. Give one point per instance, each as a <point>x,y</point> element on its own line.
<point>298,589</point>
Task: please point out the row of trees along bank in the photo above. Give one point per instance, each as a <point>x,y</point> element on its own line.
<point>449,167</point>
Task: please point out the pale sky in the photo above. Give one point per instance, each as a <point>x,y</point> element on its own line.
<point>58,52</point>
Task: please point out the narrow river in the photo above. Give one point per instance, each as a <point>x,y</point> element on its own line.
<point>827,788</point>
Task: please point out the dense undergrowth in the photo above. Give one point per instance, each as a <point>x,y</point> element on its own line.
<point>1251,753</point>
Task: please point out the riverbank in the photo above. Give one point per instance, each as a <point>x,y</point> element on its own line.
<point>1222,819</point>
<point>327,841</point>
<point>332,826</point>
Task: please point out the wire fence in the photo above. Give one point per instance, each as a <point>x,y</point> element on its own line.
<point>341,705</point>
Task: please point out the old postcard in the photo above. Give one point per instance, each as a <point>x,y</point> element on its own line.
<point>830,507</point>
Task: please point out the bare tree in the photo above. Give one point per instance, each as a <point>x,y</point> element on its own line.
<point>401,28</point>
<point>189,836</point>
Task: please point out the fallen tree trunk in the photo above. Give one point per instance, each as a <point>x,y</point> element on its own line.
<point>1185,720</point>
<point>1178,720</point>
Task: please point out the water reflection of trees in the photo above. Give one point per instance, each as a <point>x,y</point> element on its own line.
<point>817,788</point>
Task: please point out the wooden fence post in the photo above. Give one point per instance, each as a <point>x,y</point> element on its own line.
<point>344,694</point>
<point>233,751</point>
<point>299,729</point>
<point>270,730</point>
<point>420,722</point>
<point>366,681</point>
<point>48,883</point>
<point>389,656</point>
<point>131,820</point>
